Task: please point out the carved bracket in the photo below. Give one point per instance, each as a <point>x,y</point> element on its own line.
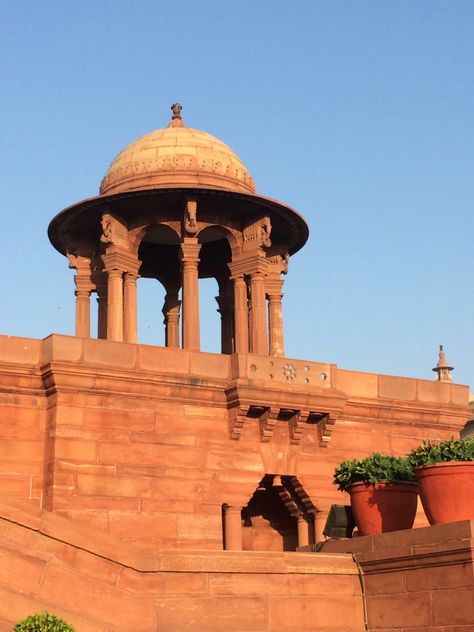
<point>190,216</point>
<point>257,234</point>
<point>267,421</point>
<point>325,429</point>
<point>114,232</point>
<point>237,419</point>
<point>296,424</point>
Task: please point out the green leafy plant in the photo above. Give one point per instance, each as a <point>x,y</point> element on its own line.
<point>376,468</point>
<point>42,622</point>
<point>430,452</point>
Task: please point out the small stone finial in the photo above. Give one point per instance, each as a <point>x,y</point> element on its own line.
<point>176,120</point>
<point>442,368</point>
<point>176,109</point>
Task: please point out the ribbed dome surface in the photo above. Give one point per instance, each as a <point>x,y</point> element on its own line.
<point>177,156</point>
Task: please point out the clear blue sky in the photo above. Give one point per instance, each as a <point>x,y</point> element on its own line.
<point>358,113</point>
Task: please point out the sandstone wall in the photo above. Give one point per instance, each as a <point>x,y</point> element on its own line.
<point>139,442</point>
<point>99,584</point>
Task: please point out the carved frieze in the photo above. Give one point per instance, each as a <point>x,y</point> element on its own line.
<point>257,234</point>
<point>114,232</point>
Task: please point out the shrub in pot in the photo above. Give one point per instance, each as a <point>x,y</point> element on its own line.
<point>444,471</point>
<point>382,490</point>
<point>42,622</point>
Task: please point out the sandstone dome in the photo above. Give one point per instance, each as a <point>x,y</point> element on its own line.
<point>177,156</point>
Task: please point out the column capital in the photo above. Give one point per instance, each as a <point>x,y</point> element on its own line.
<point>189,251</point>
<point>115,258</point>
<point>81,263</point>
<point>247,264</point>
<point>130,277</point>
<point>274,288</point>
<point>83,285</point>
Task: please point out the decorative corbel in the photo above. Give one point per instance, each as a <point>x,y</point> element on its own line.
<point>296,425</point>
<point>237,419</point>
<point>190,216</point>
<point>114,232</point>
<point>267,422</point>
<point>257,234</point>
<point>325,429</point>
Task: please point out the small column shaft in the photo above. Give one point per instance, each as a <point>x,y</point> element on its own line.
<point>102,312</point>
<point>303,538</point>
<point>258,315</point>
<point>275,325</point>
<point>233,528</point>
<point>190,261</point>
<point>171,319</point>
<point>130,307</point>
<point>115,305</point>
<point>320,518</point>
<point>83,313</point>
<point>241,320</point>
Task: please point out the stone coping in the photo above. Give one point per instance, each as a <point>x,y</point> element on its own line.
<point>300,374</point>
<point>455,539</point>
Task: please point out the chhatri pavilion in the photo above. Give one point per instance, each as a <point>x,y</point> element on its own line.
<point>160,488</point>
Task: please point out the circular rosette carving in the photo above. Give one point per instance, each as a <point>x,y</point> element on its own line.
<point>289,372</point>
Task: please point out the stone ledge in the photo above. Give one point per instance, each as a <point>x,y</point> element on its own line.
<point>112,549</point>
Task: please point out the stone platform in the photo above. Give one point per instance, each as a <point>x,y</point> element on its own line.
<point>418,580</point>
<point>99,584</point>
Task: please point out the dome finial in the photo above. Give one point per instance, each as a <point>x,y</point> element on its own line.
<point>442,368</point>
<point>176,120</point>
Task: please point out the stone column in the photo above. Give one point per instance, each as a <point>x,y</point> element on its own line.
<point>130,307</point>
<point>115,305</point>
<point>233,528</point>
<point>189,267</point>
<point>275,319</point>
<point>171,321</point>
<point>83,311</point>
<point>303,539</point>
<point>121,301</point>
<point>241,315</point>
<point>258,314</point>
<point>320,518</point>
<point>84,287</point>
<point>226,310</point>
<point>101,289</point>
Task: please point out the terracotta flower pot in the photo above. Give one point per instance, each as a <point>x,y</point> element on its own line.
<point>447,491</point>
<point>383,507</point>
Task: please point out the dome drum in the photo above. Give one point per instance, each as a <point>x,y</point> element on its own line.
<point>176,171</point>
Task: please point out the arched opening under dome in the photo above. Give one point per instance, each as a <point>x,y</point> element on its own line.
<point>159,301</point>
<point>150,297</point>
<point>215,285</point>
